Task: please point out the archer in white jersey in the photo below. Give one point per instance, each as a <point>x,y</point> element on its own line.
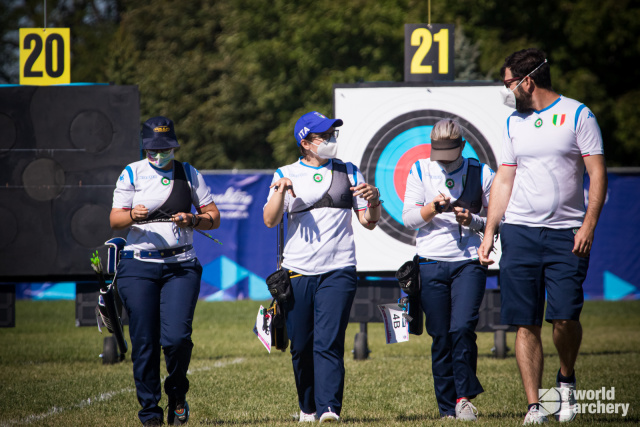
<point>319,194</point>
<point>158,275</point>
<point>144,184</point>
<point>446,199</point>
<point>318,240</point>
<point>547,148</point>
<point>441,238</point>
<point>547,234</point>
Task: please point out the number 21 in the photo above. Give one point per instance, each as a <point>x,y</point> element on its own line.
<point>422,38</point>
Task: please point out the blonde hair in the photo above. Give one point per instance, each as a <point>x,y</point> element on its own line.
<point>446,129</point>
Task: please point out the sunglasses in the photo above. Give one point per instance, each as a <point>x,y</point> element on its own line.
<point>325,135</point>
<point>508,82</point>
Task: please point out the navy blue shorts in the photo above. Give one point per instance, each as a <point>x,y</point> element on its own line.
<point>536,260</point>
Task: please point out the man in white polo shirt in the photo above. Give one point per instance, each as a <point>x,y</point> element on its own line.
<point>547,234</point>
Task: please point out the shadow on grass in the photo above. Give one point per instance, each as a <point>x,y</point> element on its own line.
<point>416,418</point>
<point>607,352</point>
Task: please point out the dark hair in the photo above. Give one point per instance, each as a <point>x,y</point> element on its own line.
<point>303,151</point>
<point>524,61</point>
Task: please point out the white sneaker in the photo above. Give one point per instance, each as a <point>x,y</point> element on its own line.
<point>329,417</point>
<point>465,411</point>
<point>567,403</point>
<point>534,416</point>
<point>307,418</point>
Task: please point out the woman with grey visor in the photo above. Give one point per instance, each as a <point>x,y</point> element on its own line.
<point>445,197</point>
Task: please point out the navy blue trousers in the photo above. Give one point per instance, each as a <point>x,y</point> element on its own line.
<point>317,318</point>
<point>451,296</point>
<point>160,300</point>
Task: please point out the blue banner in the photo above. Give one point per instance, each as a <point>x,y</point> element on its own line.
<point>614,270</point>
<point>237,269</point>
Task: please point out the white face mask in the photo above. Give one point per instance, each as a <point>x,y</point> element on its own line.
<point>159,159</point>
<point>508,95</point>
<point>328,149</point>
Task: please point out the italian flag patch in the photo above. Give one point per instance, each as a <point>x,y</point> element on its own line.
<point>558,119</point>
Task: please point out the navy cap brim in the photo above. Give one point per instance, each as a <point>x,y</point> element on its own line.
<point>159,143</point>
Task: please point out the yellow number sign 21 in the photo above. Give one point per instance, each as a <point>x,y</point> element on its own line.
<point>428,52</point>
<point>45,56</point>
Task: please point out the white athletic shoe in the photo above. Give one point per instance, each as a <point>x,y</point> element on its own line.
<point>307,418</point>
<point>465,411</point>
<point>534,416</point>
<point>329,417</point>
<point>567,402</point>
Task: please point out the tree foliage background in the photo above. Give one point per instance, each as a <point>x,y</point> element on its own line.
<point>235,74</point>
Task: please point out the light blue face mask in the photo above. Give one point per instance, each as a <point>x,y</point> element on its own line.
<point>160,159</point>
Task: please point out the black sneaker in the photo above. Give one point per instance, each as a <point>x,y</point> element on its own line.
<point>178,412</point>
<point>153,422</point>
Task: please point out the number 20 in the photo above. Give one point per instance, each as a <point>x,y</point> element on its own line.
<point>48,55</point>
<point>422,38</point>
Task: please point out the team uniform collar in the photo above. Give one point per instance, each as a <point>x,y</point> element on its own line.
<point>549,106</point>
<point>328,163</point>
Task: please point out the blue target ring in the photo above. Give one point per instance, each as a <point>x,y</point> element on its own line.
<point>396,146</point>
<point>388,162</point>
<point>386,177</point>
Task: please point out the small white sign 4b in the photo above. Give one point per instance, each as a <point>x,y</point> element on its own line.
<point>396,324</point>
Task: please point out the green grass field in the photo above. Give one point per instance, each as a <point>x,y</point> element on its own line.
<point>51,375</point>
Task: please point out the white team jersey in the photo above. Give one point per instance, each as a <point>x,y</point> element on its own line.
<point>142,184</point>
<point>547,148</point>
<point>320,240</point>
<point>440,239</point>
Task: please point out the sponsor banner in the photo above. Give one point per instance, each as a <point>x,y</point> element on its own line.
<point>237,269</point>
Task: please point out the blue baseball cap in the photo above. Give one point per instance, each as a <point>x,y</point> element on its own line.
<point>158,133</point>
<point>313,122</point>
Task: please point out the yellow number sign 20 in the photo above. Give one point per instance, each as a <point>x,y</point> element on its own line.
<point>45,56</point>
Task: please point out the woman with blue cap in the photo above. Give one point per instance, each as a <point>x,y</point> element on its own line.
<point>319,192</point>
<point>158,275</point>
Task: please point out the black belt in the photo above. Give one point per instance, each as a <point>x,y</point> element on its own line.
<point>164,253</point>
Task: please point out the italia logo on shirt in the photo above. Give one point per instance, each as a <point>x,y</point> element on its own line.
<point>449,183</point>
<point>165,181</point>
<point>538,123</point>
<point>558,119</point>
<point>317,177</point>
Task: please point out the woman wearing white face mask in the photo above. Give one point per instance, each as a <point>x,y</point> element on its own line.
<point>319,192</point>
<point>158,273</point>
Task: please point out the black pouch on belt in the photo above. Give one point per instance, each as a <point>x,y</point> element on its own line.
<point>279,284</point>
<point>408,276</point>
<point>279,335</point>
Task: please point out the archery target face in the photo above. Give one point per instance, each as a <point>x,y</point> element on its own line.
<point>387,129</point>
